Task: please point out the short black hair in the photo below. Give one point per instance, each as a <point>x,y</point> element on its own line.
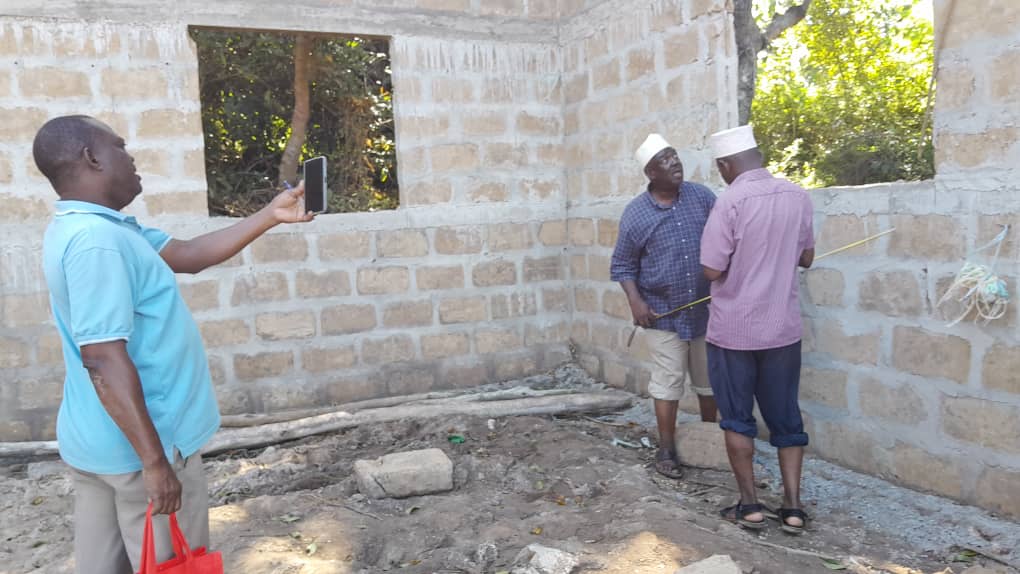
<point>59,143</point>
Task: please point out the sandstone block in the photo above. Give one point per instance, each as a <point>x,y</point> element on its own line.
<point>934,237</point>
<point>509,237</point>
<point>1001,369</point>
<point>543,269</point>
<point>13,353</point>
<point>899,404</point>
<point>137,84</point>
<point>262,365</point>
<point>347,319</point>
<point>259,288</point>
<point>393,349</point>
<point>825,287</point>
<point>458,240</point>
<point>402,243</point>
<point>491,273</point>
<point>861,349</point>
<point>824,386</point>
<point>177,203</point>
<point>445,345</point>
<point>224,333</point>
<point>440,277</point>
<point>609,231</point>
<point>702,445</point>
<point>53,83</point>
<point>313,285</point>
<point>682,48</point>
<point>581,232</point>
<point>990,424</point>
<point>280,247</point>
<point>345,246</point>
<point>463,310</point>
<point>914,349</point>
<point>201,295</point>
<point>383,280</point>
<point>322,360</point>
<point>553,233</point>
<point>497,341</point>
<point>916,468</point>
<point>281,326</point>
<point>514,305</point>
<point>405,474</point>
<point>408,314</point>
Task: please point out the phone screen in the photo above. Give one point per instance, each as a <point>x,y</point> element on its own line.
<point>315,185</point>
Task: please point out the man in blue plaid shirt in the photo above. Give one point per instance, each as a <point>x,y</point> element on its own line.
<point>657,261</point>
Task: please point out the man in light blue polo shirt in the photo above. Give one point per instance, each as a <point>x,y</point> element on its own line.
<point>138,400</point>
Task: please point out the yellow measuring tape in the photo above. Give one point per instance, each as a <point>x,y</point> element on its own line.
<point>709,298</point>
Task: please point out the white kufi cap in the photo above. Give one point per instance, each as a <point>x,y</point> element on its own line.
<point>654,143</point>
<point>732,141</point>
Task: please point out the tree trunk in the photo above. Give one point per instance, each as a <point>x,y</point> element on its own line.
<point>751,41</point>
<point>302,109</point>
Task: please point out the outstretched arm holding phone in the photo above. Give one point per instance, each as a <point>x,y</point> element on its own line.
<point>204,251</point>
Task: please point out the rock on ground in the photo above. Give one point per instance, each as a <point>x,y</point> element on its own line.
<point>404,474</point>
<point>702,445</point>
<point>538,559</point>
<point>718,564</point>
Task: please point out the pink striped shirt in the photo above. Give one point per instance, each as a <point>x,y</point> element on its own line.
<point>755,234</point>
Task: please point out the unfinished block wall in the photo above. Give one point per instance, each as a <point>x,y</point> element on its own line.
<point>631,69</point>
<point>887,387</point>
<point>516,121</point>
<point>456,288</point>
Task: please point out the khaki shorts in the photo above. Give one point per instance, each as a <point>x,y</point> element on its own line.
<point>678,363</point>
<point>109,518</point>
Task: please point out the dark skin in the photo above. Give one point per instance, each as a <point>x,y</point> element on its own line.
<point>665,174</point>
<point>105,175</point>
<point>740,448</point>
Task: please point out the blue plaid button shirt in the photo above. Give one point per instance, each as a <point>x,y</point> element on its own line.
<point>659,248</point>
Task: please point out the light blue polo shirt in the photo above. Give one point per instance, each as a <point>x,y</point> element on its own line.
<point>108,282</point>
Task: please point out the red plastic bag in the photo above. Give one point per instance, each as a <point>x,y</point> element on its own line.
<point>185,560</point>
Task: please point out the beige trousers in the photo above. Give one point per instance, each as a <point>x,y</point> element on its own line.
<point>109,518</point>
<point>677,363</point>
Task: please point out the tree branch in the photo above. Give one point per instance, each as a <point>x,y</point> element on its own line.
<point>781,22</point>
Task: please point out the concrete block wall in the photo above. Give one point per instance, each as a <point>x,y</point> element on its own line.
<point>887,387</point>
<point>458,287</point>
<point>631,69</point>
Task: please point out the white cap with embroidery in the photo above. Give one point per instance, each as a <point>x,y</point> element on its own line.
<point>653,144</point>
<point>732,141</point>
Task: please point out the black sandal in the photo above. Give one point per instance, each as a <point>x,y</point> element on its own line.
<point>738,513</point>
<point>668,466</point>
<point>785,513</point>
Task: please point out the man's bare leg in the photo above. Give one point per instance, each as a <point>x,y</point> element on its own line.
<point>708,408</point>
<point>665,418</point>
<point>791,460</point>
<point>740,449</point>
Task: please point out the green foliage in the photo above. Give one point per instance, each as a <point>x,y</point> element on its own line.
<point>247,94</point>
<point>842,97</point>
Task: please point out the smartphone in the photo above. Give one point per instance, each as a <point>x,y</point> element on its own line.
<point>316,194</point>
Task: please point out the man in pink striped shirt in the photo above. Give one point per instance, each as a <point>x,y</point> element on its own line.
<point>758,233</point>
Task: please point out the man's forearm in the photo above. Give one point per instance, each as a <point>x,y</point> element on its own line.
<point>630,288</point>
<point>213,248</point>
<point>120,390</point>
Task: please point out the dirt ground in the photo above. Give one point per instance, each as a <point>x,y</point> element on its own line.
<point>559,482</point>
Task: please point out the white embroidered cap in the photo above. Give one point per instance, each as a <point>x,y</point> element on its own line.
<point>732,141</point>
<point>653,144</point>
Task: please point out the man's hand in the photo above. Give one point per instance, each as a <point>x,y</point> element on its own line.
<point>287,207</point>
<point>162,487</point>
<point>642,313</point>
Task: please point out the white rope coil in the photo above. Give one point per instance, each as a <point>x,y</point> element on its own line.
<point>978,289</point>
